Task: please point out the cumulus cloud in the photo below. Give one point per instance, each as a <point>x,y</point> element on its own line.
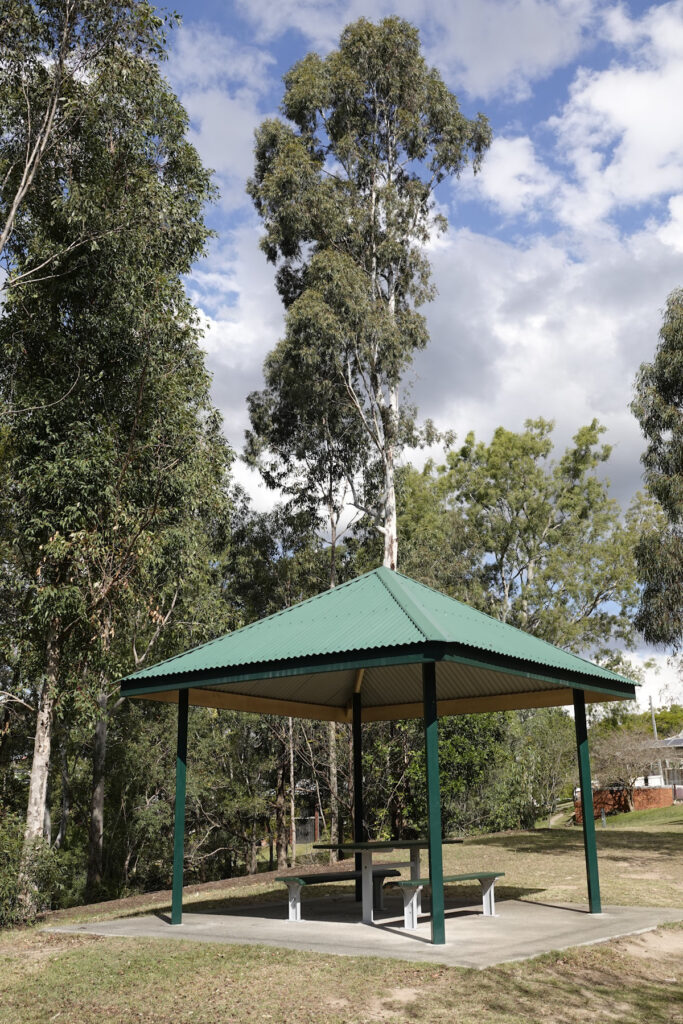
<point>222,129</point>
<point>222,83</point>
<point>498,47</point>
<point>621,132</point>
<point>518,330</point>
<point>488,48</point>
<point>526,330</point>
<point>523,326</point>
<point>662,679</point>
<point>671,232</point>
<point>203,56</point>
<point>243,315</point>
<point>512,178</point>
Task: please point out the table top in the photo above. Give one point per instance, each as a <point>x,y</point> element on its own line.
<point>383,844</point>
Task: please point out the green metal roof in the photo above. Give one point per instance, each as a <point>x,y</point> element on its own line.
<point>387,624</point>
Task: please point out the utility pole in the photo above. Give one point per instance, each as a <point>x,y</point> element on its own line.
<point>654,730</point>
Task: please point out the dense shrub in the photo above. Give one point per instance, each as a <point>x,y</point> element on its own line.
<point>25,894</point>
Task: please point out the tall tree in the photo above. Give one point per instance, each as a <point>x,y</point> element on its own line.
<point>114,452</point>
<point>345,189</point>
<point>658,405</point>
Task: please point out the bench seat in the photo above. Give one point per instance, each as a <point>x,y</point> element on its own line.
<point>295,883</point>
<point>411,889</point>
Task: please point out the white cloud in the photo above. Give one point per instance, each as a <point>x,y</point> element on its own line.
<point>527,330</point>
<point>223,128</point>
<point>221,84</point>
<point>512,178</point>
<point>502,46</point>
<point>671,233</point>
<point>662,680</point>
<point>518,330</point>
<point>538,326</point>
<point>621,131</point>
<point>244,324</point>
<point>489,47</point>
<point>203,56</point>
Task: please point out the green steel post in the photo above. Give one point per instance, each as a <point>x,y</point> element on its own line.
<point>433,802</point>
<point>358,787</point>
<point>179,827</point>
<point>586,785</point>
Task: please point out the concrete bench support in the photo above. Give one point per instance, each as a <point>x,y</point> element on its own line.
<point>295,884</point>
<point>412,889</point>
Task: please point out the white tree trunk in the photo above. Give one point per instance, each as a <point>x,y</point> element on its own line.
<point>40,766</point>
<point>390,517</point>
<point>96,833</point>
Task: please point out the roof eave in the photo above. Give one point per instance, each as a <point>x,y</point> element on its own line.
<point>613,686</point>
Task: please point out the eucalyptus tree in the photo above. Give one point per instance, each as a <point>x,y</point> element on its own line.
<point>556,555</point>
<point>115,456</point>
<point>345,189</point>
<point>658,405</point>
<point>304,438</point>
<point>49,51</point>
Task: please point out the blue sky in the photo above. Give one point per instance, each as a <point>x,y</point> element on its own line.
<point>559,256</point>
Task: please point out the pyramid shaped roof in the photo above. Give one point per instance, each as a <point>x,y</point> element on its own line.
<point>371,635</point>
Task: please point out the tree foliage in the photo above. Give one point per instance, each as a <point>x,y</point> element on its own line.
<point>116,511</point>
<point>121,538</point>
<point>658,405</point>
<point>344,188</point>
<point>65,69</point>
<point>535,541</point>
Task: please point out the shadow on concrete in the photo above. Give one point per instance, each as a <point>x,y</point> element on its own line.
<point>333,903</point>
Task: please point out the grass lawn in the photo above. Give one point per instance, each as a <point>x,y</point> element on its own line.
<point>649,819</point>
<point>86,979</point>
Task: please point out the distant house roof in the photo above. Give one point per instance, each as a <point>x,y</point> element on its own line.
<point>372,635</point>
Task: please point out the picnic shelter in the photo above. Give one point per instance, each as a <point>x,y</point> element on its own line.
<point>381,647</point>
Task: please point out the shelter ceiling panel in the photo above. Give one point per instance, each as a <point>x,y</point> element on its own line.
<point>401,684</point>
<point>333,689</point>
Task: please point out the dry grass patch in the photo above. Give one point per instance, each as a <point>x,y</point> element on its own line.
<point>85,979</point>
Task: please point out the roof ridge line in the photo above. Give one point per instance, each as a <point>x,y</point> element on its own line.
<point>417,616</point>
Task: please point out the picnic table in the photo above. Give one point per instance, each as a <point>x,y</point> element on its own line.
<point>367,849</point>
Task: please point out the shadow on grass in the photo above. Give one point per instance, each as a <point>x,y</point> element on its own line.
<point>557,983</point>
<point>549,841</point>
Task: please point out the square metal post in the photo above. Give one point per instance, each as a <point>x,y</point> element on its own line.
<point>179,823</point>
<point>433,802</point>
<point>358,835</point>
<point>586,785</point>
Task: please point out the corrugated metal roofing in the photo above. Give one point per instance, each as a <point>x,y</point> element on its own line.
<point>381,611</point>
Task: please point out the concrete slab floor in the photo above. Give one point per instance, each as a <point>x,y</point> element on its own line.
<point>521,929</point>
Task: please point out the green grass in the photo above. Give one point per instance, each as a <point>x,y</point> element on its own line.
<point>654,818</point>
<point>85,979</point>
